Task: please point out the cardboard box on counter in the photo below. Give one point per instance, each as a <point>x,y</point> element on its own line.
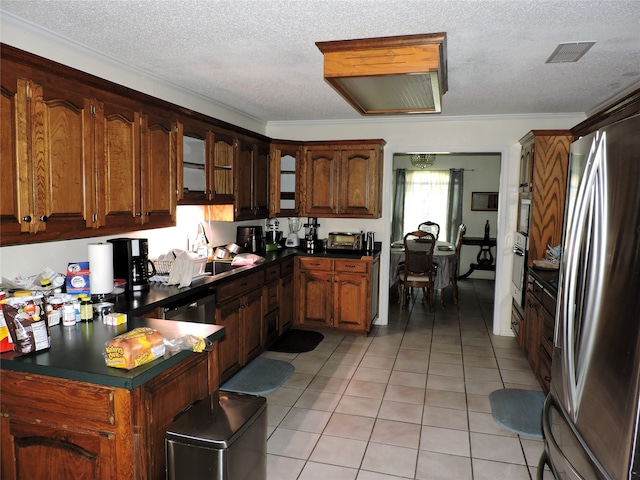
<point>78,276</point>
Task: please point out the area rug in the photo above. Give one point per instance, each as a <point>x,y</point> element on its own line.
<point>297,341</point>
<point>519,411</point>
<point>262,375</point>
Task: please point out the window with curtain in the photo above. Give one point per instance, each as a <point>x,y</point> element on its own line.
<point>426,196</point>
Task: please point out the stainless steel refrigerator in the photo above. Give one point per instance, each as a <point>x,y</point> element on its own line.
<point>590,419</point>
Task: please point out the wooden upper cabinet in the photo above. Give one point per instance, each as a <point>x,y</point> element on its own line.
<point>285,162</point>
<point>549,156</point>
<point>63,147</point>
<point>252,180</point>
<point>343,179</point>
<point>119,168</point>
<point>224,158</point>
<point>159,192</point>
<point>321,182</point>
<point>360,174</point>
<point>15,195</point>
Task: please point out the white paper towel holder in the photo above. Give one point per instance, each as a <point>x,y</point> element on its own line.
<point>100,256</point>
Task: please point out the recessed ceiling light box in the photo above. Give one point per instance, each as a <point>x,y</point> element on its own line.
<point>389,75</point>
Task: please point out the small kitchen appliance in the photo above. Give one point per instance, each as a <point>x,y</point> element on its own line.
<point>251,238</point>
<point>131,262</point>
<point>293,240</point>
<point>346,241</point>
<point>311,235</point>
<point>274,235</point>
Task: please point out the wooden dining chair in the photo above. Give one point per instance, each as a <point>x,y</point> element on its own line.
<point>430,227</point>
<point>418,270</point>
<point>462,229</point>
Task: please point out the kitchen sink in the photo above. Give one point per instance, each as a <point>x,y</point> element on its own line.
<point>215,267</point>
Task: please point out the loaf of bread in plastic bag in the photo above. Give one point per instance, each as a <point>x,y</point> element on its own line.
<point>134,348</point>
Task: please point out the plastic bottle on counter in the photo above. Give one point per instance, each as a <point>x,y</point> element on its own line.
<point>86,309</point>
<point>68,314</point>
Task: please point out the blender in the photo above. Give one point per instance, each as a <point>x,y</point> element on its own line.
<point>294,227</point>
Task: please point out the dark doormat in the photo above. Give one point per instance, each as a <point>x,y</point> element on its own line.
<point>262,375</point>
<point>519,411</point>
<point>297,341</point>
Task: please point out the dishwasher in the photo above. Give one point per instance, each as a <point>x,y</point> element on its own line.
<point>199,307</point>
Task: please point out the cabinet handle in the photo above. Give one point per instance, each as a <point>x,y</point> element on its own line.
<point>44,218</point>
<point>547,379</point>
<point>26,218</point>
<point>138,214</point>
<point>350,266</point>
<point>148,214</point>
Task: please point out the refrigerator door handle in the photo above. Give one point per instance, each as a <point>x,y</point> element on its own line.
<point>583,266</point>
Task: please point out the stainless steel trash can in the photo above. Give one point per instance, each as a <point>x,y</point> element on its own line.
<point>223,437</point>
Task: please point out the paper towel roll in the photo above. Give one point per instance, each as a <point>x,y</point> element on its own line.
<point>101,268</point>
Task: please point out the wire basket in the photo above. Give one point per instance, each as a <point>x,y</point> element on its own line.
<point>163,267</point>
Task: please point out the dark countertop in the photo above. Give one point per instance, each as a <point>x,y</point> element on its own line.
<point>76,352</point>
<point>159,294</point>
<point>547,278</point>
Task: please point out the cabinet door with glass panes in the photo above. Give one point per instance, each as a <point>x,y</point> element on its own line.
<point>285,174</point>
<point>205,165</point>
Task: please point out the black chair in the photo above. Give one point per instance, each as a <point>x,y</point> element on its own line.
<point>418,269</point>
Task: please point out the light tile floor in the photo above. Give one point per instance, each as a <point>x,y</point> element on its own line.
<point>409,401</point>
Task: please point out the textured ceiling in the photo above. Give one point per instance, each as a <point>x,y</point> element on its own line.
<point>260,58</point>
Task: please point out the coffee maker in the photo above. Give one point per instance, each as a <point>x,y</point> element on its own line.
<point>311,234</point>
<point>131,262</point>
<point>251,238</point>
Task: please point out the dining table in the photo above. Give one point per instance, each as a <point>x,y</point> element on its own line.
<point>444,256</point>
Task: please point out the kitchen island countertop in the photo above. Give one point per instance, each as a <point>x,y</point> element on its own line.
<point>76,352</point>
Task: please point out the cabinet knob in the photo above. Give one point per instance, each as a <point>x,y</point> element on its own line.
<point>44,218</point>
<point>148,214</point>
<point>26,218</point>
<point>138,214</point>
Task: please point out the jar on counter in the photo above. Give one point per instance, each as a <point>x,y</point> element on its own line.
<point>86,310</point>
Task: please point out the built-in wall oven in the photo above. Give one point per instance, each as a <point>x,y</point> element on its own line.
<point>520,247</point>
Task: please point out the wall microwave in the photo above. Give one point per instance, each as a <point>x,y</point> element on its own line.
<point>524,215</point>
<point>345,241</point>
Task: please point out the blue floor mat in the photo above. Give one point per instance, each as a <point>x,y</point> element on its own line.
<point>262,375</point>
<point>519,411</point>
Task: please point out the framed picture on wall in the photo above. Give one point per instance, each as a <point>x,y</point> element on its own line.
<point>484,201</point>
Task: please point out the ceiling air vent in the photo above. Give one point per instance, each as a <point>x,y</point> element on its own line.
<point>569,52</point>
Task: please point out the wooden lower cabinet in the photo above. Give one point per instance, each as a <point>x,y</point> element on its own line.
<point>228,316</point>
<point>335,293</point>
<point>239,310</point>
<point>58,428</point>
<point>538,330</point>
<point>286,310</point>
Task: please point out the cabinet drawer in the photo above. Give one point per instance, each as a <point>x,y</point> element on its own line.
<point>271,273</point>
<point>51,398</point>
<point>239,287</point>
<point>546,338</point>
<point>355,266</point>
<point>548,302</point>
<point>286,268</point>
<point>314,263</point>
